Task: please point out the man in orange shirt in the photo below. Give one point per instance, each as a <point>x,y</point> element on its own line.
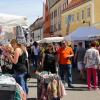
<point>65,53</point>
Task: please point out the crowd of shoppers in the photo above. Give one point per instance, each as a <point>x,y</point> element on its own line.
<point>50,57</point>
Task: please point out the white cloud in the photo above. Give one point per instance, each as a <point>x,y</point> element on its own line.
<point>30,8</point>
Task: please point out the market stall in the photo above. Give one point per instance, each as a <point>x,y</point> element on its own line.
<point>83,33</point>
<point>50,86</point>
<point>9,89</point>
<point>51,40</point>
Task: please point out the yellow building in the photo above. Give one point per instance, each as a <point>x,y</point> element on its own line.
<point>80,13</point>
<point>96,13</point>
<point>56,7</point>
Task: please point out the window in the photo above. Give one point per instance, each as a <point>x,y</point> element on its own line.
<point>88,12</point>
<point>67,1</point>
<point>55,13</point>
<point>59,11</point>
<point>72,18</point>
<point>59,25</point>
<point>64,6</point>
<point>83,14</point>
<point>61,7</point>
<point>55,27</point>
<point>78,18</point>
<point>51,29</point>
<point>52,15</point>
<point>69,19</point>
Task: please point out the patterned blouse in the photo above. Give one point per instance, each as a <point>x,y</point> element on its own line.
<point>92,58</point>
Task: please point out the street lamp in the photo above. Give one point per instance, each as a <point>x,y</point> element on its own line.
<point>86,22</point>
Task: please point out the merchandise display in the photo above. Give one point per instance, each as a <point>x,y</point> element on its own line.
<point>50,87</point>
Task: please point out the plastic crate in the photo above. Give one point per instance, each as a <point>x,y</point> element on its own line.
<point>7,92</point>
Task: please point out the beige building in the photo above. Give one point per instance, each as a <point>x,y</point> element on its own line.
<point>96,14</point>
<point>37,29</point>
<point>56,7</point>
<point>80,13</point>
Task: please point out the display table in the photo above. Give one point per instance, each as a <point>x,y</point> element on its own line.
<point>9,89</point>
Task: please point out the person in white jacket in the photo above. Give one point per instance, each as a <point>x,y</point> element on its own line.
<point>92,62</point>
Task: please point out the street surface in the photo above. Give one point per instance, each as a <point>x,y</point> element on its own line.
<point>79,92</point>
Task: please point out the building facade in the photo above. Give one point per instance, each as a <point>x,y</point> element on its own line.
<point>96,14</point>
<point>55,12</point>
<point>56,7</point>
<point>46,20</point>
<point>37,29</point>
<point>80,13</point>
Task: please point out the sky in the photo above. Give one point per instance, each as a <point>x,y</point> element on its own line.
<point>32,9</point>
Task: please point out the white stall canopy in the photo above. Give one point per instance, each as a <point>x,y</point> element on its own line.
<point>12,20</point>
<point>51,39</point>
<point>83,33</point>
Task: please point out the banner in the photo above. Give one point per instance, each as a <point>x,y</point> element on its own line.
<point>20,36</point>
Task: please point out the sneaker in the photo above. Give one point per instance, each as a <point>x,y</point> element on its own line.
<point>96,88</point>
<point>70,86</point>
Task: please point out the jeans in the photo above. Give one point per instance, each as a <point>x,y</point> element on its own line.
<point>35,60</point>
<point>65,72</point>
<point>21,80</point>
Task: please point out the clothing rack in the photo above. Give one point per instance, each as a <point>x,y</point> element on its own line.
<point>44,79</point>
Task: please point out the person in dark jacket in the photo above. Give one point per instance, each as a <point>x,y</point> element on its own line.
<point>49,59</point>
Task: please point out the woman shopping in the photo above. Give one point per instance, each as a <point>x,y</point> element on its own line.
<point>49,59</point>
<point>18,60</point>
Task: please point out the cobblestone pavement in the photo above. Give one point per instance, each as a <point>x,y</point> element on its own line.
<point>79,92</point>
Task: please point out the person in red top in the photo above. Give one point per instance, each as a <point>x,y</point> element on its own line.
<point>65,53</point>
